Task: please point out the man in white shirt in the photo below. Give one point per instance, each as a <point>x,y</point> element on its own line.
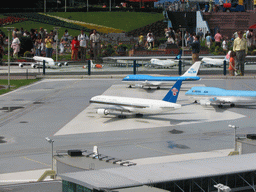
<point>95,43</point>
<point>83,39</point>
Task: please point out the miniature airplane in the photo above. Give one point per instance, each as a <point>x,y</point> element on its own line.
<point>210,62</point>
<point>97,66</point>
<point>138,106</point>
<point>150,81</point>
<point>49,62</point>
<point>219,97</point>
<point>166,63</point>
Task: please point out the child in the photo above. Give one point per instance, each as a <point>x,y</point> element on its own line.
<point>232,63</point>
<point>74,47</point>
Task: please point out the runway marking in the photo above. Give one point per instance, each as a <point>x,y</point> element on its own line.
<point>154,149</point>
<point>35,161</point>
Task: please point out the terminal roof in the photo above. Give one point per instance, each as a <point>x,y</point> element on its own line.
<point>121,177</point>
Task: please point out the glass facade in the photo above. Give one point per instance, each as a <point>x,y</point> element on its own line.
<point>72,187</point>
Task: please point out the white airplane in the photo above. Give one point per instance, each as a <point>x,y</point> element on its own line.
<point>212,96</point>
<point>210,62</point>
<point>138,106</point>
<point>38,62</point>
<point>153,81</point>
<point>165,63</point>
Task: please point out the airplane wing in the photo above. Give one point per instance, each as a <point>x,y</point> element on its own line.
<point>151,83</point>
<point>214,101</point>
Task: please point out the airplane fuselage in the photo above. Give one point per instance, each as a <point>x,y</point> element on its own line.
<point>156,81</point>
<point>136,105</point>
<point>217,95</point>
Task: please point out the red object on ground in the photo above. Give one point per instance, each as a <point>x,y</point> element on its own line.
<point>227,5</point>
<point>98,66</point>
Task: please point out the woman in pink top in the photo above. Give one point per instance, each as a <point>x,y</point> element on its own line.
<point>218,38</point>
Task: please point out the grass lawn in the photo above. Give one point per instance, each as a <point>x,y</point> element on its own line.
<point>126,21</point>
<point>27,25</point>
<point>15,84</point>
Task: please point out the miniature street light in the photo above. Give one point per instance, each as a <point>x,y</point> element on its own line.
<point>50,141</point>
<point>234,127</point>
<point>9,29</point>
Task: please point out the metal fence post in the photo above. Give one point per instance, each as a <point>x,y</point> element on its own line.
<point>89,67</point>
<point>134,67</point>
<point>225,67</point>
<point>43,67</point>
<point>180,67</point>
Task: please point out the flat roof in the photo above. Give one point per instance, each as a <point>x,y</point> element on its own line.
<point>121,177</point>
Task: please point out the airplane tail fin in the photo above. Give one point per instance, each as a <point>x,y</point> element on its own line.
<point>178,57</point>
<point>173,94</point>
<point>193,70</point>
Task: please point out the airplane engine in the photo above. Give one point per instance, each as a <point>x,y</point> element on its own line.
<point>205,102</point>
<point>66,64</point>
<point>138,85</point>
<point>103,112</point>
<point>59,64</point>
<point>21,65</point>
<point>33,65</point>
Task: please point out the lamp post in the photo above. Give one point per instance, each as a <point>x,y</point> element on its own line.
<point>50,141</point>
<point>109,5</point>
<point>182,43</point>
<point>9,29</point>
<point>234,127</point>
<point>87,6</point>
<point>45,6</point>
<point>57,29</point>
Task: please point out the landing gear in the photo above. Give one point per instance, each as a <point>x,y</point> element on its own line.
<point>130,86</point>
<point>232,105</point>
<point>121,116</point>
<point>220,106</point>
<point>195,101</point>
<point>139,115</point>
<point>158,87</point>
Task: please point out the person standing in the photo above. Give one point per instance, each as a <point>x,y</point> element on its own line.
<point>195,49</point>
<point>83,39</point>
<point>74,47</point>
<point>218,38</point>
<point>208,40</point>
<point>240,48</point>
<point>48,46</point>
<point>150,42</point>
<point>232,68</point>
<point>38,45</point>
<point>95,43</point>
<point>15,45</point>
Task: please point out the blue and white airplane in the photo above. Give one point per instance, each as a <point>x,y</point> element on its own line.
<point>153,81</point>
<point>219,97</point>
<point>138,106</point>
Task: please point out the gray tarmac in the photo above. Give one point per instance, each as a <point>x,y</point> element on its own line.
<point>60,109</point>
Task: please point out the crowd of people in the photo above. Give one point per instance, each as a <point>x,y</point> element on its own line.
<point>239,44</point>
<point>45,42</point>
<point>81,45</point>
